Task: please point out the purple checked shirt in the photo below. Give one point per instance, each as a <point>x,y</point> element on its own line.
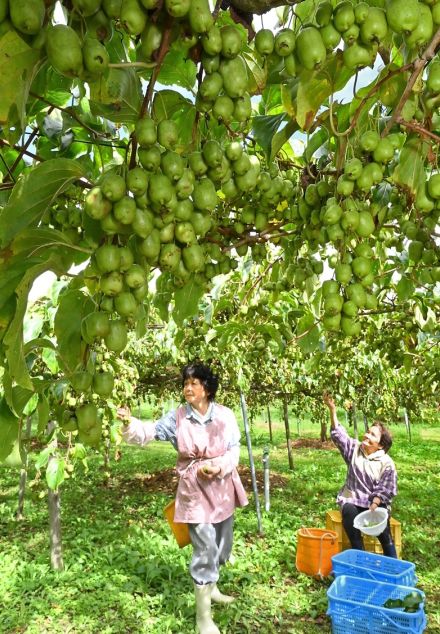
<point>367,475</point>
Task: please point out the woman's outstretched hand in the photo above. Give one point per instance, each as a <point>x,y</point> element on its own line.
<point>328,400</point>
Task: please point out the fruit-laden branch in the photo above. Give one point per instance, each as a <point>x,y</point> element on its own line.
<point>20,149</point>
<point>361,105</point>
<point>419,65</point>
<point>259,6</point>
<point>163,50</point>
<point>416,127</point>
<point>72,114</point>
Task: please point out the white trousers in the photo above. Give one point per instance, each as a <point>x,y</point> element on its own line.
<point>212,546</point>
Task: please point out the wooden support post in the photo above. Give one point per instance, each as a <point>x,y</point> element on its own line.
<point>407,423</point>
<point>287,427</point>
<point>251,462</point>
<point>269,420</point>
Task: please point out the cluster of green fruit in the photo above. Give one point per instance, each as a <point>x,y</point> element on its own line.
<point>78,48</point>
<point>223,90</point>
<point>86,420</point>
<point>361,27</point>
<point>166,205</point>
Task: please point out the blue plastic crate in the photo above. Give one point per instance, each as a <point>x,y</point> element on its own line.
<point>359,563</point>
<point>356,607</point>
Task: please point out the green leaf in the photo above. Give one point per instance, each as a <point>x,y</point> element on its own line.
<point>40,342</point>
<point>20,398</point>
<point>257,76</point>
<point>55,472</point>
<point>73,307</point>
<point>8,429</point>
<point>176,70</point>
<point>316,141</point>
<point>186,301</point>
<point>169,104</point>
<point>271,100</point>
<point>34,193</point>
<point>281,137</point>
<point>264,129</point>
<point>315,87</point>
<point>51,360</point>
<point>307,334</point>
<point>162,297</point>
<point>18,66</point>
<point>410,170</point>
<point>13,339</point>
<point>404,288</point>
<point>43,411</point>
<point>43,458</point>
<point>117,97</point>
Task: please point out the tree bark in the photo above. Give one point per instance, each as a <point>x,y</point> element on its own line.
<point>54,508</point>
<point>269,420</point>
<point>324,436</point>
<point>23,475</point>
<point>287,426</point>
<point>56,547</point>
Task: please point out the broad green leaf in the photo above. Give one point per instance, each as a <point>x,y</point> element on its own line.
<point>31,405</point>
<point>281,137</point>
<point>162,297</point>
<point>13,339</point>
<point>264,129</point>
<point>288,95</point>
<point>40,342</point>
<point>55,472</point>
<point>34,193</point>
<point>404,288</point>
<point>48,83</point>
<point>177,70</point>
<point>18,66</point>
<point>43,458</point>
<point>307,334</point>
<point>257,75</point>
<point>410,170</point>
<point>271,100</point>
<point>186,301</point>
<point>8,429</point>
<point>73,307</point>
<point>315,87</point>
<point>43,412</point>
<point>117,96</point>
<point>20,398</point>
<point>316,141</point>
<point>169,104</point>
<point>32,326</point>
<point>49,357</point>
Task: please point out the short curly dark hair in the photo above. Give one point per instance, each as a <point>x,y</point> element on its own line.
<point>386,440</point>
<point>205,375</point>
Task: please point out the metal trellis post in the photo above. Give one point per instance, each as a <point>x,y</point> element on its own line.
<point>251,462</point>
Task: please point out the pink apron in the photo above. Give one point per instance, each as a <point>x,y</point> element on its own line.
<point>201,501</point>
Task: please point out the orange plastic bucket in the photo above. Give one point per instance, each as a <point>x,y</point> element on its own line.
<point>314,551</point>
<point>180,531</point>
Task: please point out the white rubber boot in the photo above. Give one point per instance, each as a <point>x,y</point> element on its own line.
<point>219,597</point>
<point>205,624</point>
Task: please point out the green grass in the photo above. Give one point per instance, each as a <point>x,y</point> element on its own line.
<point>124,573</point>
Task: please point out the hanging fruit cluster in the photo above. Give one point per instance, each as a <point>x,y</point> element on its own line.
<point>360,27</point>
<point>189,208</point>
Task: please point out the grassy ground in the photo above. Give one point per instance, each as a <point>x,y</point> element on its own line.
<point>124,574</point>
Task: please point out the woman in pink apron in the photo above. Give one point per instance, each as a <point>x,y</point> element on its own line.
<point>206,437</point>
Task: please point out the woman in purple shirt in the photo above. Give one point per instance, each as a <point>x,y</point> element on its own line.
<point>371,477</point>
